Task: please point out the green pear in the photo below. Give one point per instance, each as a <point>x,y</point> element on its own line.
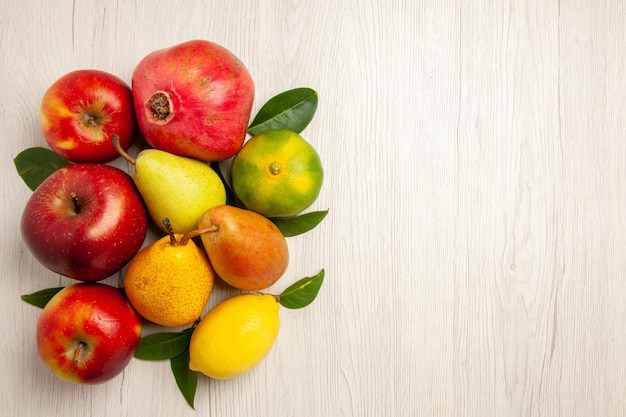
<point>175,187</point>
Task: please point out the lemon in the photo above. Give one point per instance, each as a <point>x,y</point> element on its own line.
<point>277,173</point>
<point>169,283</point>
<point>234,336</point>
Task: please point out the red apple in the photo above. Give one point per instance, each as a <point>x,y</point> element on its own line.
<point>85,221</point>
<point>88,333</point>
<point>81,110</point>
<point>193,99</point>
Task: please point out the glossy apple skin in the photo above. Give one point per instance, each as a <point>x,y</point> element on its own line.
<point>100,317</point>
<point>82,109</point>
<point>209,95</point>
<point>99,240</point>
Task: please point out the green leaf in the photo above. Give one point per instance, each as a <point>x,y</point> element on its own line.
<point>41,298</point>
<point>302,293</point>
<point>230,196</point>
<point>186,379</point>
<point>292,110</point>
<point>293,226</point>
<point>162,346</point>
<point>34,165</point>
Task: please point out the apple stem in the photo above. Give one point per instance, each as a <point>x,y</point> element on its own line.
<point>190,235</point>
<point>116,144</point>
<point>77,208</point>
<point>79,348</point>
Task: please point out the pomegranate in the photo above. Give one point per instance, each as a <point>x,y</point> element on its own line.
<point>193,99</point>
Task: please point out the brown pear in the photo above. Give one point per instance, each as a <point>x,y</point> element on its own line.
<point>245,248</point>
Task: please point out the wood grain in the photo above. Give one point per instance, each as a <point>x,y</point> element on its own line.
<point>475,157</point>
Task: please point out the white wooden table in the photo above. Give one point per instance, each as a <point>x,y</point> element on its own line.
<point>475,250</point>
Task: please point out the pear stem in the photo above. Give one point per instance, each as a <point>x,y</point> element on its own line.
<point>190,235</point>
<point>116,144</point>
<point>168,227</point>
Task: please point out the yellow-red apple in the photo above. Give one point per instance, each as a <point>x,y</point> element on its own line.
<point>82,109</point>
<point>87,333</point>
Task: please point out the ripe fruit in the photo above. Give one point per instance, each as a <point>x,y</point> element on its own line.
<point>277,173</point>
<point>169,281</point>
<point>246,249</point>
<point>82,109</point>
<point>235,336</point>
<point>88,333</point>
<point>176,187</point>
<point>193,99</point>
<point>85,221</point>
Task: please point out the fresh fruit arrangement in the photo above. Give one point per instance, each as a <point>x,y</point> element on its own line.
<point>88,220</point>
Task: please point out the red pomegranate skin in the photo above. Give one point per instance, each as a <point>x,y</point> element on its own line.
<point>193,99</point>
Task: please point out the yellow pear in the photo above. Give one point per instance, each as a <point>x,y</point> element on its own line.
<point>176,187</point>
<point>169,281</point>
